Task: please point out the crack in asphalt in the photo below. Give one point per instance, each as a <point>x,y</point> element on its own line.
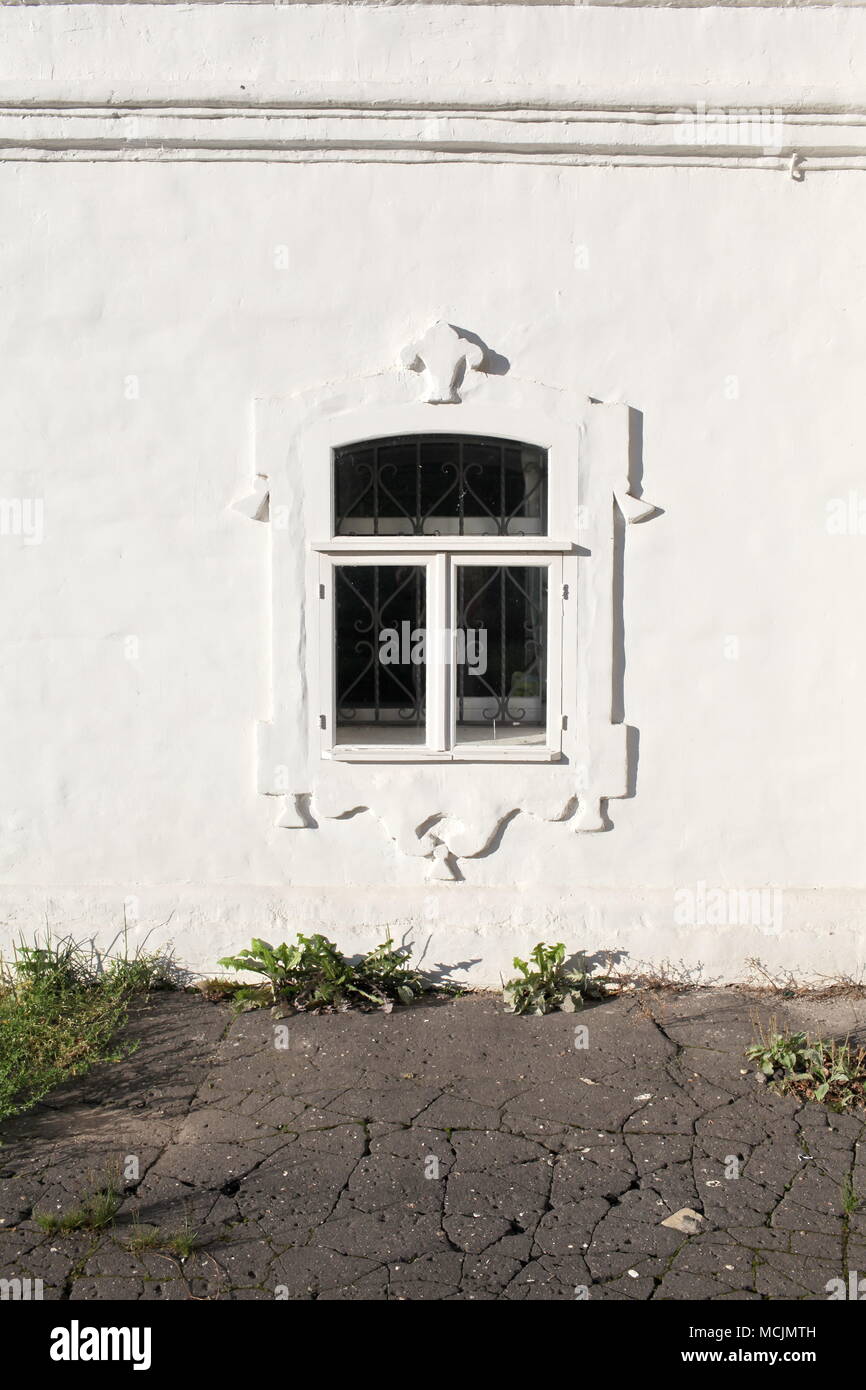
<point>341,1206</point>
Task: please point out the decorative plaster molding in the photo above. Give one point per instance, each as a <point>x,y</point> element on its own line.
<point>444,357</point>
<point>445,839</point>
<point>255,504</point>
<point>448,813</point>
<point>635,509</point>
<point>392,129</point>
<point>370,4</point>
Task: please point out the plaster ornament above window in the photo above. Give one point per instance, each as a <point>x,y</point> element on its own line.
<point>444,357</point>
<point>508,515</point>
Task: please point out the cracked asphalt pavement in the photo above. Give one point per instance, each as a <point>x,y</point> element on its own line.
<point>444,1151</point>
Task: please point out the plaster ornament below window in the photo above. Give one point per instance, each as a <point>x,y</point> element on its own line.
<point>443,838</point>
<point>444,357</point>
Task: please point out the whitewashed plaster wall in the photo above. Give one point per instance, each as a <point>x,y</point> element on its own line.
<point>207,205</point>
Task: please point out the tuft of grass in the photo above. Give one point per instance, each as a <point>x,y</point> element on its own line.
<point>91,1214</point>
<point>831,1072</point>
<point>142,973</point>
<point>314,975</point>
<point>143,1238</point>
<point>545,985</point>
<point>62,1005</point>
<point>181,1243</point>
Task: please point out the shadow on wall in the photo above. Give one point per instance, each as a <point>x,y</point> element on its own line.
<point>617,694</point>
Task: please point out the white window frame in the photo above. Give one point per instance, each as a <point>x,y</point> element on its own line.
<point>440,565</point>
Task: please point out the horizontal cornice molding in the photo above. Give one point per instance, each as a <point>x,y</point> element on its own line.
<point>492,4</point>
<point>736,135</point>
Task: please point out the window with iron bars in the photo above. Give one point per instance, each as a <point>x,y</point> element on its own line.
<point>441,600</point>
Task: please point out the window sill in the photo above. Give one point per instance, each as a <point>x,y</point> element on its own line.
<point>409,754</point>
<point>474,545</point>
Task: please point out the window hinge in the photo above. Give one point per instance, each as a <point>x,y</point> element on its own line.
<point>323,723</point>
<point>321,591</point>
<point>565,721</point>
<point>565,591</point>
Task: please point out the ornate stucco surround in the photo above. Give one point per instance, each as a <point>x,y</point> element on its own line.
<point>445,812</point>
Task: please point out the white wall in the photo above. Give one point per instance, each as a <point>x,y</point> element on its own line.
<point>134,779</point>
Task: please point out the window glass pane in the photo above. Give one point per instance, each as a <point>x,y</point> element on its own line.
<point>501,654</point>
<point>380,672</point>
<point>448,485</point>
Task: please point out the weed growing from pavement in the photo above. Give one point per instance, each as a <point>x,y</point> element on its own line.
<point>793,1064</point>
<point>97,1212</point>
<point>91,1214</point>
<point>181,1243</point>
<point>544,984</point>
<point>314,975</point>
<point>788,986</point>
<point>143,1238</point>
<point>62,1005</point>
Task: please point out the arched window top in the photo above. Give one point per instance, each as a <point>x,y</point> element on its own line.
<point>440,484</point>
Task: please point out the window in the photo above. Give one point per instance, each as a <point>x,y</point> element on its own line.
<point>406,525</point>
<point>441,601</point>
<point>380,692</point>
<point>429,485</point>
<point>501,685</point>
